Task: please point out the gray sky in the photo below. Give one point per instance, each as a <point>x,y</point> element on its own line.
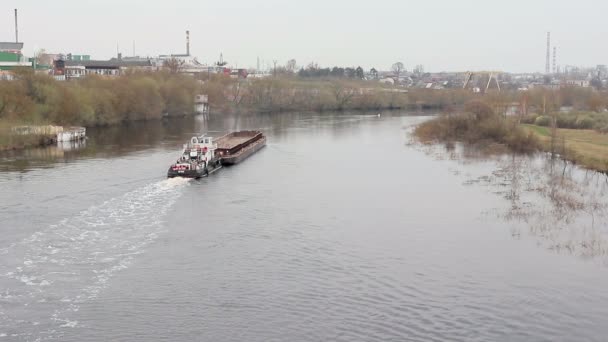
<point>452,35</point>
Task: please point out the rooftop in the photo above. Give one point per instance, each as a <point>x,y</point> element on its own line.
<point>10,46</point>
<point>114,62</point>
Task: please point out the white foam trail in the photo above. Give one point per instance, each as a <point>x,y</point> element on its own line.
<point>72,261</point>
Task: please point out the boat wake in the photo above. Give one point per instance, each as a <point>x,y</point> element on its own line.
<point>46,276</point>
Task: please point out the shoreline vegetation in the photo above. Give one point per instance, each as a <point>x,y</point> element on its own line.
<point>578,137</point>
<point>478,124</point>
<point>35,99</point>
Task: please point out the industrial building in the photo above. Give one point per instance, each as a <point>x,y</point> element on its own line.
<point>11,56</point>
<point>113,67</point>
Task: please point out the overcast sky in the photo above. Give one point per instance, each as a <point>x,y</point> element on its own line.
<point>450,35</point>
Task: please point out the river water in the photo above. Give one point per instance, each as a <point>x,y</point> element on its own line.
<point>341,229</point>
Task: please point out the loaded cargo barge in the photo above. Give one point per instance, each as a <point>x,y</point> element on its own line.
<point>204,155</point>
<point>235,147</point>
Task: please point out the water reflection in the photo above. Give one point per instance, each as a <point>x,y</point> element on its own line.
<point>133,137</point>
<point>562,205</point>
<point>71,145</point>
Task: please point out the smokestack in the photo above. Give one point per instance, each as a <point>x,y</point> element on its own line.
<point>188,43</point>
<point>16,28</point>
<point>555,59</point>
<point>548,61</point>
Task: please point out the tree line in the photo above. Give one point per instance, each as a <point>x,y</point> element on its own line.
<point>96,100</point>
<point>313,70</point>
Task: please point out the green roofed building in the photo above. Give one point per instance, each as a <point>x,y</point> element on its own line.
<point>11,56</point>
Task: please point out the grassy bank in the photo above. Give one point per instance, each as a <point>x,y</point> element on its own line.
<point>574,120</point>
<point>479,125</point>
<point>585,147</point>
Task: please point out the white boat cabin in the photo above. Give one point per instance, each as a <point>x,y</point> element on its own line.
<point>199,149</point>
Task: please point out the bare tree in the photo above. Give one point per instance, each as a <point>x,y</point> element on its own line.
<point>343,94</point>
<point>173,64</point>
<point>397,69</point>
<point>41,57</point>
<point>237,98</point>
<point>374,73</point>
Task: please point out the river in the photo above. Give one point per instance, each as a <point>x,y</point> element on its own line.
<point>341,229</point>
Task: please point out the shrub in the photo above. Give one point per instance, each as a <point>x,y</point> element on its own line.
<point>529,119</point>
<point>565,120</point>
<point>480,109</point>
<point>478,127</point>
<point>584,122</point>
<point>543,120</point>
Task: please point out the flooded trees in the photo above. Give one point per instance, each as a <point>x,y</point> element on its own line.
<point>478,124</point>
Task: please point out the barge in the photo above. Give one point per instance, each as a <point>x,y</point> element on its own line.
<point>235,147</point>
<point>204,155</point>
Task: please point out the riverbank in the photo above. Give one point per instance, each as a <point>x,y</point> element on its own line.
<point>477,125</point>
<point>586,147</point>
<point>34,99</point>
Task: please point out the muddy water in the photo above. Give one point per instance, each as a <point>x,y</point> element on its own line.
<point>341,229</point>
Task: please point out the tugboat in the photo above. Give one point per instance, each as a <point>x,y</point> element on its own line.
<point>197,160</point>
<point>204,155</point>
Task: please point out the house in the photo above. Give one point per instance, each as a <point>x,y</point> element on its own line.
<point>578,83</point>
<point>238,73</point>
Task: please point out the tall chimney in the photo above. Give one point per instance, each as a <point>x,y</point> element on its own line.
<point>16,28</point>
<point>555,59</point>
<point>188,43</point>
<point>548,61</point>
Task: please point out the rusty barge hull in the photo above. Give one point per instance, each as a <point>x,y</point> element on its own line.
<point>235,147</point>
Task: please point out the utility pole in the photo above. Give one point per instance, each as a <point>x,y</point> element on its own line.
<point>275,67</point>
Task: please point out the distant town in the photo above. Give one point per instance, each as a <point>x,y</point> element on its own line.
<point>65,66</point>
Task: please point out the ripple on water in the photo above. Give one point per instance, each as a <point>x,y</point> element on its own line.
<point>72,261</point>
